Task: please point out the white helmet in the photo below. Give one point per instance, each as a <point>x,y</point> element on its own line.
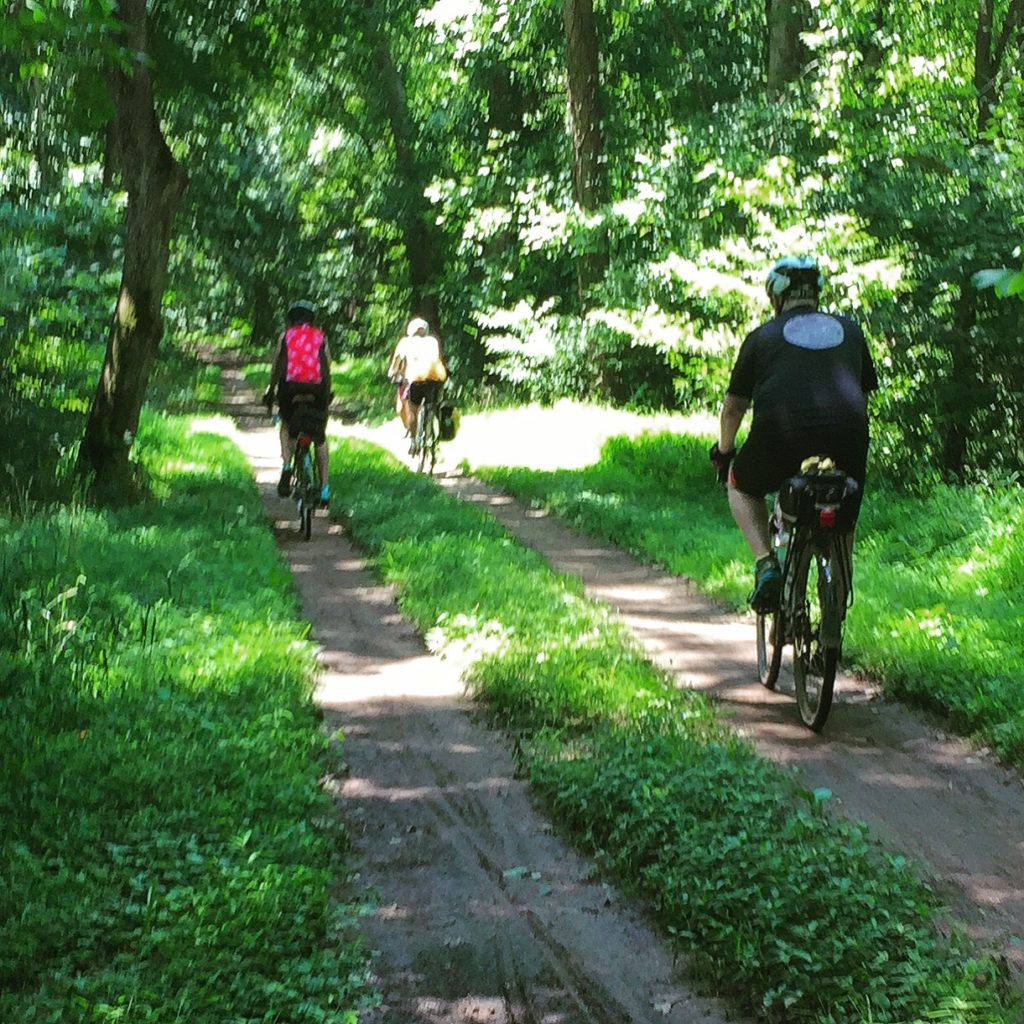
<point>790,271</point>
<point>417,325</point>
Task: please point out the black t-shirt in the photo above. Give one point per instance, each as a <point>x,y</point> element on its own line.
<point>805,369</point>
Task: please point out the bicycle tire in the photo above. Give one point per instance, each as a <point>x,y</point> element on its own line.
<point>305,489</point>
<point>769,648</point>
<point>427,439</point>
<point>817,633</point>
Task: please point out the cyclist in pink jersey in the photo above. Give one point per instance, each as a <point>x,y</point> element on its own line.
<point>300,378</point>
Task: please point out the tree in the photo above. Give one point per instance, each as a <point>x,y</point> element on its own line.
<point>589,180</point>
<point>787,54</point>
<point>155,183</point>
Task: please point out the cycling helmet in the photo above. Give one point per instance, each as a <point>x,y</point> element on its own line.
<point>793,271</point>
<point>302,308</point>
<point>417,325</point>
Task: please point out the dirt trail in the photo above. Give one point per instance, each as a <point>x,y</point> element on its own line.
<point>485,915</point>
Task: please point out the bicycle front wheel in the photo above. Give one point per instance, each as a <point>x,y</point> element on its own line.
<point>769,648</point>
<point>817,633</point>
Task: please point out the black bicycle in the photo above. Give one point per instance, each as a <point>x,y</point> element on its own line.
<point>305,483</point>
<point>426,434</point>
<point>817,586</point>
<point>306,421</point>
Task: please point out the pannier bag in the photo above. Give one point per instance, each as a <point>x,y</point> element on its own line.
<point>447,422</point>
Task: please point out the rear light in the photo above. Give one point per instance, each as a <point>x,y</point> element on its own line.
<point>827,518</point>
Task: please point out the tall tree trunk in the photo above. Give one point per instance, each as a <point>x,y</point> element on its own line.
<point>155,183</point>
<point>964,392</point>
<point>787,55</point>
<point>419,242</point>
<point>589,180</point>
<point>590,183</point>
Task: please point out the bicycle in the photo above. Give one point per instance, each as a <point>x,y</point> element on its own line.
<point>305,488</point>
<point>305,483</point>
<point>426,436</point>
<point>817,586</point>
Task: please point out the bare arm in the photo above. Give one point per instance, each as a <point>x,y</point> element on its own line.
<point>325,365</point>
<point>734,409</point>
<point>396,366</point>
<point>275,364</point>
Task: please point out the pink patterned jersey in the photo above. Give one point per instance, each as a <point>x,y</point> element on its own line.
<point>303,344</point>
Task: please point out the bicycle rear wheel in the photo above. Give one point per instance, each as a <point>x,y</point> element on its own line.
<point>769,648</point>
<point>817,633</point>
<point>305,489</point>
<point>427,439</point>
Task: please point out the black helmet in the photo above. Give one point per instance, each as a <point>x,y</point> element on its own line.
<point>302,310</point>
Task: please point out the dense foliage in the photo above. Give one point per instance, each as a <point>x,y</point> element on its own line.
<point>389,156</point>
<point>167,851</point>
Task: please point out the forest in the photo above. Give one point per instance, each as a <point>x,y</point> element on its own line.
<point>583,199</point>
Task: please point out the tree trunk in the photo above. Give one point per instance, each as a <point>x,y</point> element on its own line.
<point>787,55</point>
<point>965,392</point>
<point>589,180</point>
<point>155,184</point>
<point>419,243</point>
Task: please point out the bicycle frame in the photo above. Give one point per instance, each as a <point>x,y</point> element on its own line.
<point>809,617</point>
<point>305,485</point>
<point>426,434</point>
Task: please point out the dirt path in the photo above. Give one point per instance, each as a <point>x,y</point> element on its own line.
<point>484,914</point>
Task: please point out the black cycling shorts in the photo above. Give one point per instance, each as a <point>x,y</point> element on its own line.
<point>767,458</point>
<point>420,391</point>
<point>304,409</point>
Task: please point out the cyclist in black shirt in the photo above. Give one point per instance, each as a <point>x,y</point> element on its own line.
<point>807,375</point>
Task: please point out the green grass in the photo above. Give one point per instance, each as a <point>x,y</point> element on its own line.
<point>166,852</point>
<point>939,578</point>
<point>796,915</point>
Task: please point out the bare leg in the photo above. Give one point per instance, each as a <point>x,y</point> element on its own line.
<point>408,414</point>
<point>752,519</point>
<point>405,412</point>
<point>287,446</point>
<point>322,462</point>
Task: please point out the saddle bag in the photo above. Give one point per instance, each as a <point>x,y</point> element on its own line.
<point>448,420</point>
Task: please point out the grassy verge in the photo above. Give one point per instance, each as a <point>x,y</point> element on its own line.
<point>165,851</point>
<point>795,915</point>
<point>940,579</point>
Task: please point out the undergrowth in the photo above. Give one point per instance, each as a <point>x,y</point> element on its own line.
<point>794,914</point>
<point>939,577</point>
<point>165,851</point>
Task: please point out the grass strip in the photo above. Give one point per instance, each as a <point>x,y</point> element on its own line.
<point>790,912</point>
<point>939,578</point>
<point>166,853</point>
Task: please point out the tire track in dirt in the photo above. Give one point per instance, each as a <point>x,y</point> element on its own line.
<point>933,796</point>
<point>482,913</point>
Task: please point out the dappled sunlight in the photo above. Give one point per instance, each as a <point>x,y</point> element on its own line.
<point>421,678</point>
